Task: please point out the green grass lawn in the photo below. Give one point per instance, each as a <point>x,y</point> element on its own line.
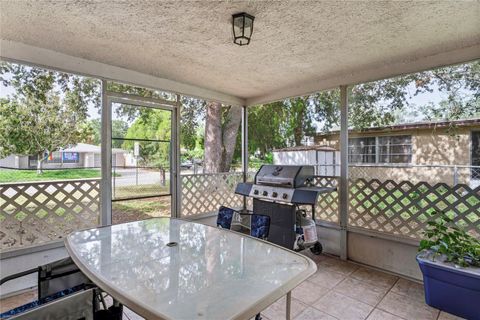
<point>131,210</point>
<point>141,190</point>
<point>31,175</point>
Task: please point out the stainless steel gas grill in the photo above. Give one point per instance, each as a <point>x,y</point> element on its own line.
<point>278,191</point>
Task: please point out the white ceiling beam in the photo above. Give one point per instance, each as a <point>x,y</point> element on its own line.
<point>374,72</point>
<point>16,51</point>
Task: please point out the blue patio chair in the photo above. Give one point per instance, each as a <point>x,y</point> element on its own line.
<point>259,226</point>
<point>225,217</point>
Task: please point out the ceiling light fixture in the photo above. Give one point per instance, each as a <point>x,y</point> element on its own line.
<point>242,28</point>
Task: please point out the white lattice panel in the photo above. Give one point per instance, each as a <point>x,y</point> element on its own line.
<point>39,212</point>
<point>205,193</point>
<point>402,208</point>
<point>327,205</point>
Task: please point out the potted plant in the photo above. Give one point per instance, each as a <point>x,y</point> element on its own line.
<point>449,259</point>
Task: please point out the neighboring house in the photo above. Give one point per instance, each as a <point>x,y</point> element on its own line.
<point>414,152</point>
<point>81,155</point>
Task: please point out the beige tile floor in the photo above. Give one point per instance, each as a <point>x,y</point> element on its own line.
<point>338,290</point>
<point>343,290</point>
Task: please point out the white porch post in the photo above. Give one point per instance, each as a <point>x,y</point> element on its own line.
<point>106,160</point>
<point>245,149</point>
<point>175,176</point>
<point>343,191</point>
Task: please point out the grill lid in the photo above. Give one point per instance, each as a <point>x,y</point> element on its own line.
<point>283,175</point>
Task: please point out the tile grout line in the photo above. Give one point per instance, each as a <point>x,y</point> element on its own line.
<point>403,295</point>
<point>392,273</point>
<point>376,305</point>
<point>328,291</point>
<point>318,264</point>
<point>359,265</point>
<point>322,310</point>
<point>367,283</point>
<point>348,276</point>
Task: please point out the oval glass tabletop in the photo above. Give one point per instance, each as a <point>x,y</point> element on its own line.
<point>164,268</point>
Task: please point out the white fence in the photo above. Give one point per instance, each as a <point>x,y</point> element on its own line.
<point>38,212</point>
<point>205,193</point>
<point>400,207</point>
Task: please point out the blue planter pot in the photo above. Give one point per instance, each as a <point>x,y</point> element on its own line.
<point>454,290</point>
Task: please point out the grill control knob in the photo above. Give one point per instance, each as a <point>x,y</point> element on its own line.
<point>255,191</point>
<point>284,196</point>
<point>274,194</point>
<point>265,193</point>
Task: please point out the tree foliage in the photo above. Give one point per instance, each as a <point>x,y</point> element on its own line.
<point>119,129</point>
<point>47,112</point>
<point>32,127</point>
<point>372,104</point>
<point>387,101</point>
<point>192,115</point>
<point>152,124</point>
<point>287,123</point>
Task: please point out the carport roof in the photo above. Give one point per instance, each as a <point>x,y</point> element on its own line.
<point>297,47</point>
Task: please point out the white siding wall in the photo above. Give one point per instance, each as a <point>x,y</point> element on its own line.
<point>11,161</point>
<point>294,157</point>
<point>97,160</point>
<point>327,162</point>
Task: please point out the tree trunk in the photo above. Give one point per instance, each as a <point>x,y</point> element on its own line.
<point>220,139</point>
<point>39,163</point>
<point>213,138</point>
<point>230,133</point>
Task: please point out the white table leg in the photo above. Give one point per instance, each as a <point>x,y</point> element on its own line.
<point>289,303</point>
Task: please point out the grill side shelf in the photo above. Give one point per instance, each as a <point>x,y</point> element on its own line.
<point>243,188</point>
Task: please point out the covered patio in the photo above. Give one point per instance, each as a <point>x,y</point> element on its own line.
<point>175,49</point>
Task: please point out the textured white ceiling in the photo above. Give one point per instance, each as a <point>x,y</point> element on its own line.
<point>293,41</point>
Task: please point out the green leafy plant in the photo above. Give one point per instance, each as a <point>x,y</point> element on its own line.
<point>444,238</point>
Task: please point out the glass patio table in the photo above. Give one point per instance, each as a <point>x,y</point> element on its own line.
<point>165,268</point>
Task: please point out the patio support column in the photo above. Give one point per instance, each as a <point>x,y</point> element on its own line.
<point>106,160</point>
<point>245,149</point>
<point>175,176</point>
<point>343,191</point>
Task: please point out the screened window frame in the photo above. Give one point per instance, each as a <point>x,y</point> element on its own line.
<point>376,156</point>
<point>389,154</point>
<point>364,156</point>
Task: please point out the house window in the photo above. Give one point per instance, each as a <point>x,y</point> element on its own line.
<point>361,150</point>
<point>395,149</point>
<point>390,149</point>
<point>70,157</point>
